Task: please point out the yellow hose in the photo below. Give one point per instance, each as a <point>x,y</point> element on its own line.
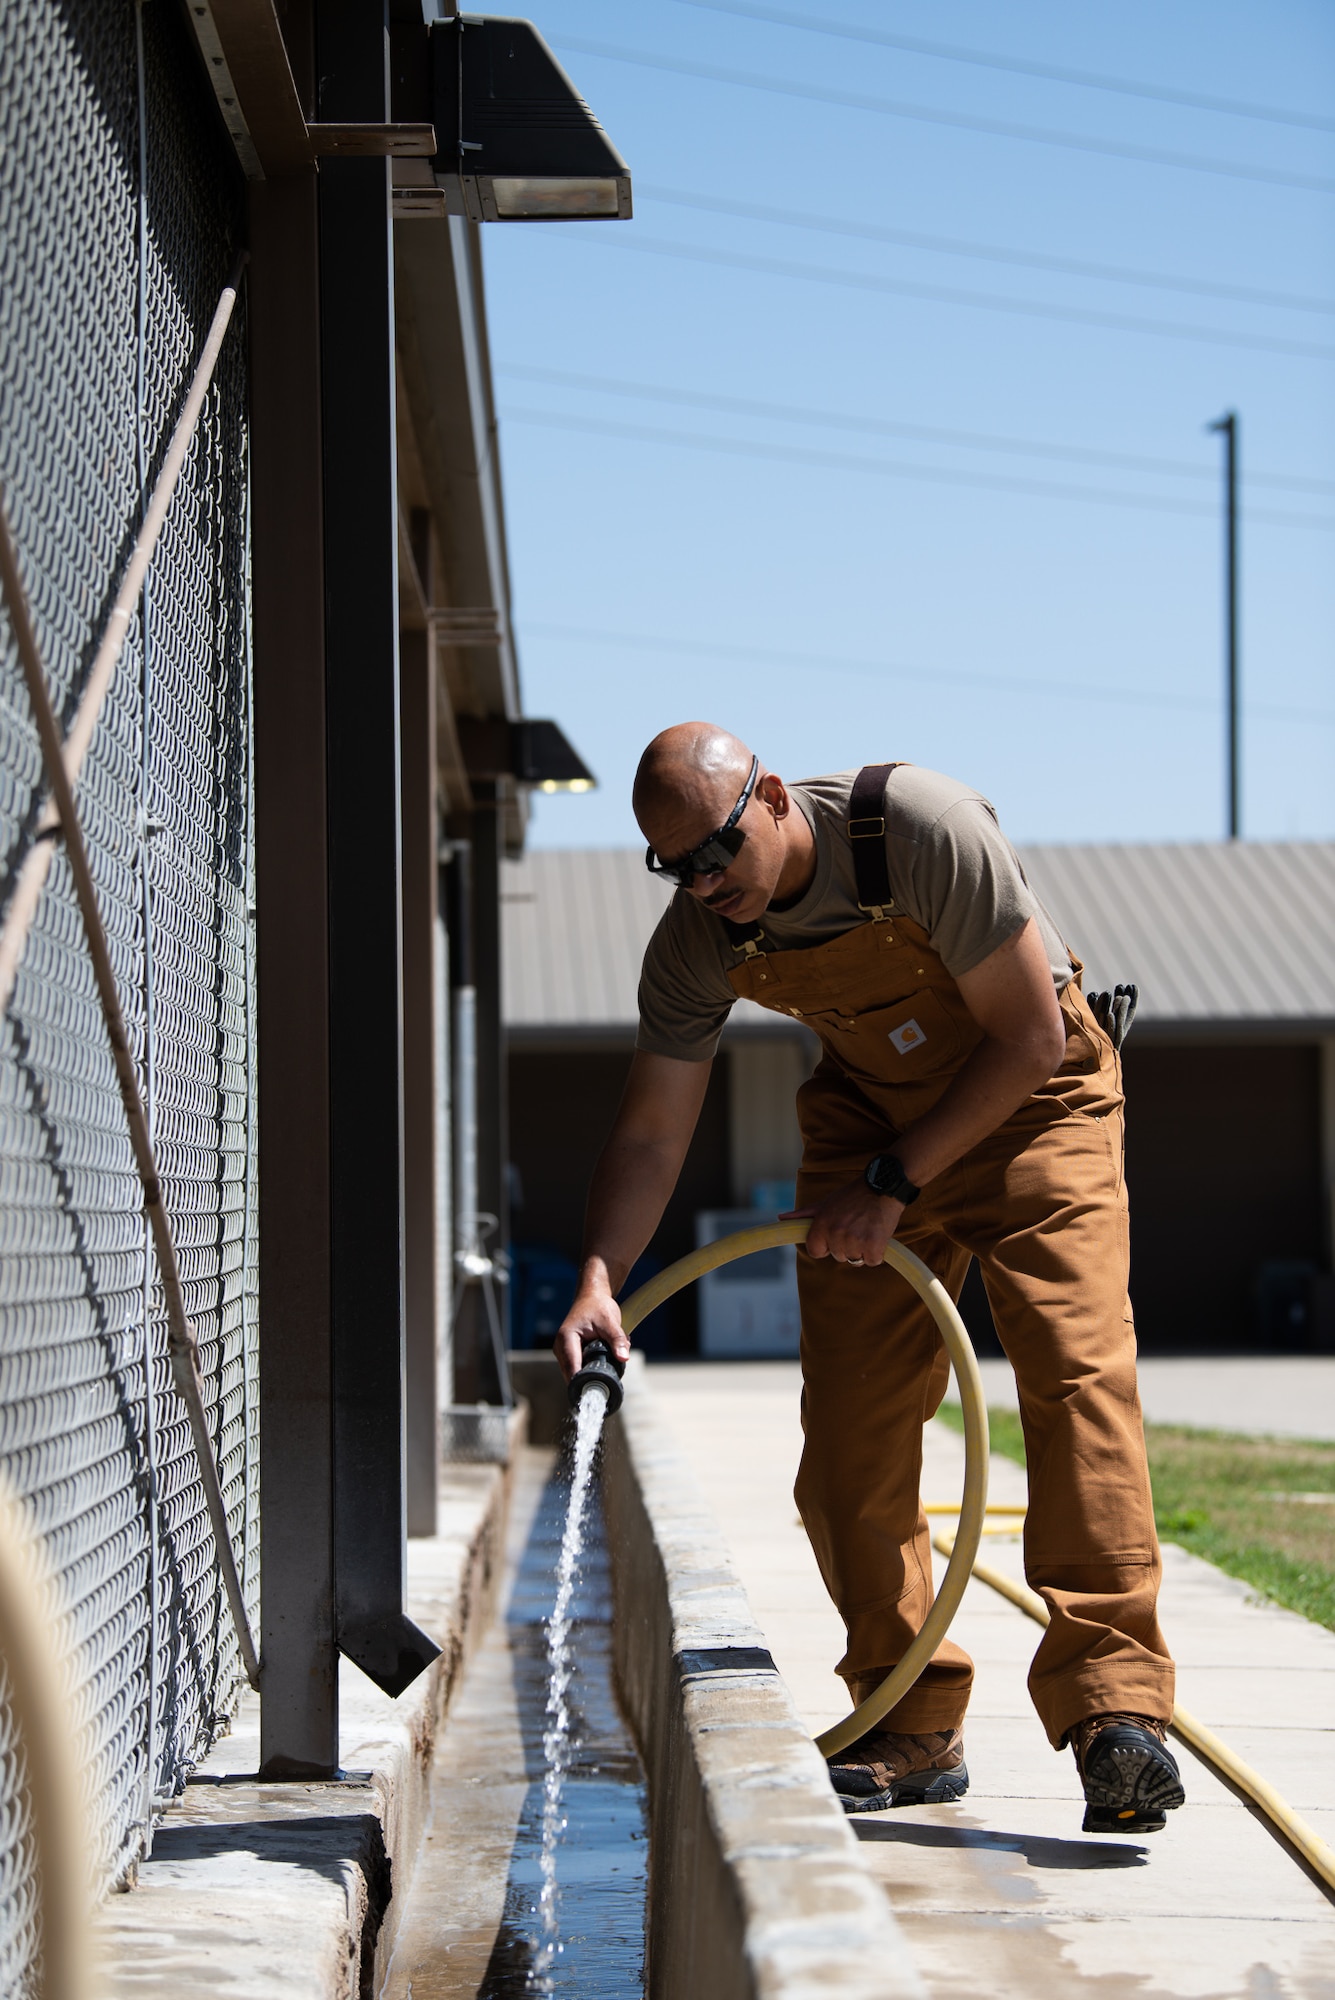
<point>1318,1855</point>
<point>48,1799</point>
<point>961,1548</point>
<point>973,1505</point>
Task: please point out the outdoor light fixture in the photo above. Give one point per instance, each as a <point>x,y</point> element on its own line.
<point>517,141</point>
<point>545,758</point>
<point>535,753</point>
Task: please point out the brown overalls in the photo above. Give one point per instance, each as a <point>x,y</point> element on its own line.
<point>1042,1205</point>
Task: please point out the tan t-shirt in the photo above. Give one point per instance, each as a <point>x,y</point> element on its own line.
<point>952,870</point>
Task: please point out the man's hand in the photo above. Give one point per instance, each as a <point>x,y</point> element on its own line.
<point>852,1226</point>
<point>595,1315</point>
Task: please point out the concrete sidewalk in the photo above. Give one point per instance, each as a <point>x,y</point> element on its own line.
<point>1270,1395</point>
<point>1002,1894</point>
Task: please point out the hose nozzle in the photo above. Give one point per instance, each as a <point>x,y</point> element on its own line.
<point>599,1368</point>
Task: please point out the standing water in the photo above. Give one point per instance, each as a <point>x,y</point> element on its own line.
<point>589,1417</point>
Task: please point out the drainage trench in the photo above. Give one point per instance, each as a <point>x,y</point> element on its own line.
<point>471,1928</point>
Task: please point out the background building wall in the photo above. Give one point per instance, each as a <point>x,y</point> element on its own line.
<point>1224,1168</point>
<point>1223,1164</point>
<point>561,1110</point>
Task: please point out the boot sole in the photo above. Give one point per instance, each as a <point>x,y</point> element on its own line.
<point>920,1788</point>
<point>1102,1819</point>
<point>1131,1783</point>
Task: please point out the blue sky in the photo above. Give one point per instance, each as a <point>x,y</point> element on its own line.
<point>1009,602</point>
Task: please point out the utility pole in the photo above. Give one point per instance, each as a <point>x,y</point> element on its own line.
<point>1229,426</point>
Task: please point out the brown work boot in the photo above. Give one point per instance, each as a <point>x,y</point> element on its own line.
<point>1130,1775</point>
<point>887,1768</point>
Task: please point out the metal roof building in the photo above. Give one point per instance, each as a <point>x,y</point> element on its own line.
<point>1223,939</point>
<point>1219,936</point>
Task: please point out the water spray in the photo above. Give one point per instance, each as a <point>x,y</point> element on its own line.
<point>595,1393</point>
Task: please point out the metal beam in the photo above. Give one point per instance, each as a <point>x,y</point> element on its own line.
<point>362,705</point>
<point>421,841</point>
<point>247,62</point>
<point>493,1122</point>
<point>299,1683</point>
<point>473,1376</point>
<point>373,142</point>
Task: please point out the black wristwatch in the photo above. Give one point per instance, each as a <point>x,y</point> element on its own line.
<point>886,1176</point>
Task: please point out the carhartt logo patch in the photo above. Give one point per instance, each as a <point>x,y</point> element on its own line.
<point>907,1038</point>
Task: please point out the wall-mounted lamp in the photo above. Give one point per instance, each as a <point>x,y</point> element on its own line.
<point>545,758</point>
<point>517,141</point>
<point>533,752</point>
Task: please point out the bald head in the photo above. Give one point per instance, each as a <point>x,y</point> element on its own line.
<point>695,769</point>
<point>689,784</point>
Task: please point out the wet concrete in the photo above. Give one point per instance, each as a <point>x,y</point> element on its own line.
<point>470,1926</point>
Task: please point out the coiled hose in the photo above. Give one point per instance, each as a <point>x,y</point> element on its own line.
<point>961,1546</point>
<point>973,1505</point>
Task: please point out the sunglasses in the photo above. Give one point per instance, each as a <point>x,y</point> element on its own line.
<point>714,855</point>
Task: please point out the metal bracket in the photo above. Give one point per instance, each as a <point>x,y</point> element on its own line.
<point>373,142</point>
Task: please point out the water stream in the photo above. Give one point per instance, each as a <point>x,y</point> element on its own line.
<point>533,1877</point>
<point>556,1742</point>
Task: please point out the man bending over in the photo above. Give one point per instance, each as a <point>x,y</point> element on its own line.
<point>969,1103</point>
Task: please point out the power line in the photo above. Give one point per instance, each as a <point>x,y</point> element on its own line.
<point>812,93</point>
<point>863,281</point>
<point>1049,72</point>
<point>884,467</point>
<point>923,678</point>
<point>835,225</point>
<point>657,392</point>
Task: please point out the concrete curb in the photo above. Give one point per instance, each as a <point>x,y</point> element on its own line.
<point>295,1890</point>
<point>760,1891</point>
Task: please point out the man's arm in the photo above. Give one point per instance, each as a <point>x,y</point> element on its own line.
<point>635,1175</point>
<point>1011,997</point>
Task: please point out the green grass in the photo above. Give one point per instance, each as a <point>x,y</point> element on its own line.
<point>1222,1496</point>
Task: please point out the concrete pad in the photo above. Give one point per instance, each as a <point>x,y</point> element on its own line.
<point>293,1890</point>
<point>1002,1894</point>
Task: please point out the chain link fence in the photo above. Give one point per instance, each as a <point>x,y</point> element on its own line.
<point>120,213</point>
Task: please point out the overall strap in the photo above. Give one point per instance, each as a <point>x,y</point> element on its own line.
<point>866,836</point>
<point>866,833</point>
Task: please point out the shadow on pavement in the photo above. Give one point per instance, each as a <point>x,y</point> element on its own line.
<point>1039,1851</point>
